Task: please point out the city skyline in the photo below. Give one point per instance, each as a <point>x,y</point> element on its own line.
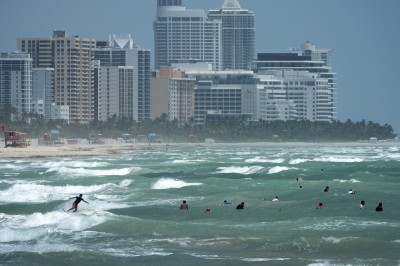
<point>364,38</point>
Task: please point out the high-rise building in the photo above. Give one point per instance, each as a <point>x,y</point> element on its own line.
<point>304,96</point>
<point>116,92</point>
<point>181,99</point>
<point>123,51</point>
<point>312,60</point>
<point>238,35</point>
<point>15,84</point>
<point>43,90</point>
<point>71,57</point>
<point>222,94</point>
<point>185,34</point>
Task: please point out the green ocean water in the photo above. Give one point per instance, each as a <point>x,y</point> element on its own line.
<point>133,215</point>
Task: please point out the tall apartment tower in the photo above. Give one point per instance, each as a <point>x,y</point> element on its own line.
<point>238,35</point>
<point>122,51</point>
<point>185,34</point>
<point>43,90</point>
<point>15,84</point>
<point>71,57</point>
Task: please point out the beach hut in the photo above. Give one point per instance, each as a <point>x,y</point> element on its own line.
<point>15,139</point>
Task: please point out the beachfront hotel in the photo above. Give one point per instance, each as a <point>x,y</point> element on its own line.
<point>15,84</point>
<point>121,51</point>
<point>223,94</point>
<point>309,59</point>
<point>238,35</point>
<point>185,34</point>
<point>71,57</point>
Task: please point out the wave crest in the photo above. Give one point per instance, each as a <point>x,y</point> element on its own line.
<point>167,183</point>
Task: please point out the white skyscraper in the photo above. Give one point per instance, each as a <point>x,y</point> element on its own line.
<point>238,35</point>
<point>43,90</point>
<point>185,34</point>
<point>15,84</point>
<point>122,51</point>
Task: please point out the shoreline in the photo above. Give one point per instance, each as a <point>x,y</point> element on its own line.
<point>114,148</point>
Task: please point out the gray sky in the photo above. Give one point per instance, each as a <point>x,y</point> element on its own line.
<point>365,36</point>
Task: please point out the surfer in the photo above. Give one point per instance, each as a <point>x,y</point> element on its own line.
<point>362,204</point>
<point>207,211</point>
<point>275,199</point>
<point>326,189</point>
<point>78,199</point>
<point>240,206</point>
<point>184,205</point>
<point>379,208</point>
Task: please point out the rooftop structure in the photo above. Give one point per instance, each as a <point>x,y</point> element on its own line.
<point>238,35</point>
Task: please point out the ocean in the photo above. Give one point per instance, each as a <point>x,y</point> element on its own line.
<point>133,216</point>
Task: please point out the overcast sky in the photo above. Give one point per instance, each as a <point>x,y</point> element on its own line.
<point>365,36</point>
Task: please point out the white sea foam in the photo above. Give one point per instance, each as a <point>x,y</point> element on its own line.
<point>125,182</point>
<point>347,181</point>
<point>167,183</point>
<point>93,172</point>
<point>336,240</point>
<point>186,161</point>
<point>396,241</point>
<point>33,226</point>
<point>208,256</point>
<point>40,248</point>
<point>263,259</point>
<point>70,163</point>
<point>394,149</point>
<point>11,166</point>
<point>263,160</point>
<point>34,193</point>
<point>338,159</point>
<point>246,170</point>
<point>11,235</point>
<point>134,251</point>
<point>298,161</point>
<point>278,169</point>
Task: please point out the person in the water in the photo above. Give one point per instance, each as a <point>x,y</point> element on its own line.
<point>326,189</point>
<point>184,205</point>
<point>240,206</point>
<point>226,202</point>
<point>379,208</point>
<point>362,204</point>
<point>351,191</point>
<point>78,199</point>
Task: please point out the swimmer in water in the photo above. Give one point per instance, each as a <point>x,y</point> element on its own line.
<point>362,204</point>
<point>184,205</point>
<point>379,208</point>
<point>326,189</point>
<point>319,206</point>
<point>240,206</point>
<point>78,199</point>
<point>351,191</point>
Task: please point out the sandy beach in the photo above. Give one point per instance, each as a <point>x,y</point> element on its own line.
<point>112,147</point>
<point>36,151</point>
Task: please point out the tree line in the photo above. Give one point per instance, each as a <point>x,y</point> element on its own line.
<point>223,130</point>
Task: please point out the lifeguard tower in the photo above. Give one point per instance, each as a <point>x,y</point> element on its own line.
<point>14,138</point>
